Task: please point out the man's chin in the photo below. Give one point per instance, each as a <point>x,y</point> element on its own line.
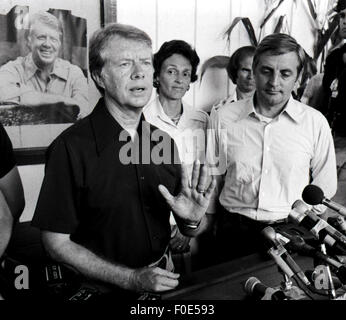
<point>46,60</point>
<point>139,103</point>
<point>273,100</point>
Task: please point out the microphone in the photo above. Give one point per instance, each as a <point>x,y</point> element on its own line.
<point>299,245</point>
<point>321,230</point>
<point>256,288</point>
<point>270,234</point>
<point>313,195</point>
<point>338,223</point>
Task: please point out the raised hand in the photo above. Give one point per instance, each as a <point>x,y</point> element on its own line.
<point>193,199</point>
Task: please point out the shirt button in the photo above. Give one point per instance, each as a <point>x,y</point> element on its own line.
<point>266,171</point>
<point>142,178</point>
<point>268,148</point>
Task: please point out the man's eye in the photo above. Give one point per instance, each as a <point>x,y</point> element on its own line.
<point>187,74</point>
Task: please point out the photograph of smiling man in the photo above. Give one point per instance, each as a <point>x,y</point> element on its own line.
<point>52,89</point>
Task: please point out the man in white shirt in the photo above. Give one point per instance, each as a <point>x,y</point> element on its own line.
<point>275,146</point>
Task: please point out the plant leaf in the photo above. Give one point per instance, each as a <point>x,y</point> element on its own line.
<point>231,27</point>
<point>324,38</point>
<point>248,26</point>
<point>279,24</point>
<point>312,10</point>
<point>219,62</point>
<point>250,30</point>
<point>270,14</point>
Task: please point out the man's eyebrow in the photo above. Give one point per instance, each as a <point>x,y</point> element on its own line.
<point>286,70</point>
<point>266,67</point>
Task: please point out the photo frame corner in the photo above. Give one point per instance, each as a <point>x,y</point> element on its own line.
<point>108,12</point>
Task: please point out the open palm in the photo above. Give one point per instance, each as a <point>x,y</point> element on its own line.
<point>193,199</point>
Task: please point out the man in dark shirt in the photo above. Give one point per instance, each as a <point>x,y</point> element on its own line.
<point>11,190</point>
<point>334,80</point>
<point>102,208</point>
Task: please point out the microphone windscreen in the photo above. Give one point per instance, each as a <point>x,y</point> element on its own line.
<point>250,285</point>
<point>312,195</point>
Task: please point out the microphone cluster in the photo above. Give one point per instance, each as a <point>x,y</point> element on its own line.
<point>325,234</point>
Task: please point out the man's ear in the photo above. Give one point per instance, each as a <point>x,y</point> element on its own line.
<point>98,78</point>
<point>298,82</point>
<point>28,40</point>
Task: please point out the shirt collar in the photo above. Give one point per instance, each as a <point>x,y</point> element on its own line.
<point>107,130</point>
<point>293,109</point>
<point>159,111</point>
<point>163,116</point>
<point>248,109</point>
<point>59,69</point>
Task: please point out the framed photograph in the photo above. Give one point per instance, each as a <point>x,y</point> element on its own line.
<point>44,81</point>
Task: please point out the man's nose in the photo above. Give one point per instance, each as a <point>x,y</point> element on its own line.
<point>138,72</point>
<point>274,79</point>
<point>47,42</point>
<point>250,75</point>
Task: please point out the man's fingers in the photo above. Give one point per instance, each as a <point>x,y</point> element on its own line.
<point>166,194</point>
<point>185,183</point>
<point>166,281</point>
<point>195,174</point>
<point>203,178</point>
<point>210,189</point>
<point>166,286</point>
<point>166,273</point>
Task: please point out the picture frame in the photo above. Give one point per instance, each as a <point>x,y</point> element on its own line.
<point>34,153</point>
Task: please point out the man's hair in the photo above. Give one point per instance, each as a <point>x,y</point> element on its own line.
<point>234,62</point>
<point>277,44</point>
<point>341,5</point>
<point>176,47</point>
<point>99,42</point>
<point>47,19</point>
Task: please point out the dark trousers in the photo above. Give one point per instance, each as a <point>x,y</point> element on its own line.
<point>238,236</point>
